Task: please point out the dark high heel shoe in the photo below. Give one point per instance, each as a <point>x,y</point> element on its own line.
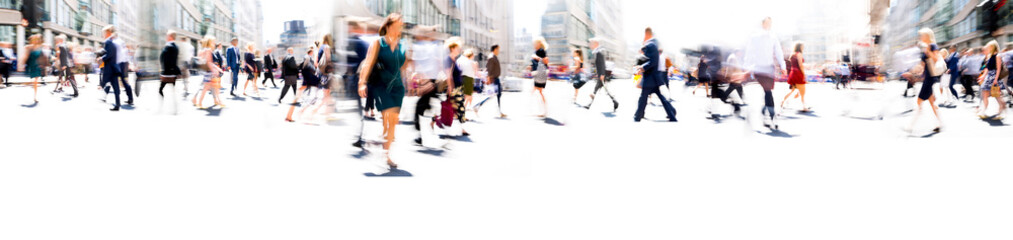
<point>391,164</point>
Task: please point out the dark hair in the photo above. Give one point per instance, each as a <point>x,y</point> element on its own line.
<point>393,17</point>
<point>579,53</point>
<point>494,47</point>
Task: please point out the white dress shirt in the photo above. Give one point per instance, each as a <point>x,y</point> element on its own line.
<point>763,52</point>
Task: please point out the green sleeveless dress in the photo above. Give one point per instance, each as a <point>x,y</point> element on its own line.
<point>390,90</point>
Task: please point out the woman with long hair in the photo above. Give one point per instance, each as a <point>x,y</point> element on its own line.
<point>540,71</point>
<point>578,68</point>
<point>250,67</point>
<point>930,57</point>
<point>991,86</point>
<point>386,60</point>
<point>796,77</point>
<point>33,65</point>
<point>212,73</point>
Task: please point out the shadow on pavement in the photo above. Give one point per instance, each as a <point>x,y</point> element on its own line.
<point>461,138</point>
<point>33,105</point>
<point>65,99</point>
<point>929,135</point>
<point>994,122</point>
<point>553,122</point>
<point>808,114</point>
<point>213,112</point>
<point>609,114</point>
<point>394,172</point>
<point>779,133</point>
<point>431,151</point>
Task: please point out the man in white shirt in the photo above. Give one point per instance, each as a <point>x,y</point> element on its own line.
<point>764,59</point>
<point>123,60</point>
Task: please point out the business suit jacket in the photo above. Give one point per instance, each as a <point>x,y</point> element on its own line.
<point>216,56</point>
<point>110,67</point>
<point>600,69</point>
<point>232,58</point>
<point>170,54</point>
<point>269,64</point>
<point>652,77</point>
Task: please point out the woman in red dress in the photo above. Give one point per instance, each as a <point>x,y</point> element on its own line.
<point>796,77</point>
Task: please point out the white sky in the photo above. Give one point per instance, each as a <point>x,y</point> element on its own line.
<point>277,12</point>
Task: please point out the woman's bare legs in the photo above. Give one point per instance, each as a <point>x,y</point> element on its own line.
<point>545,106</point>
<point>390,118</point>
<point>985,93</point>
<point>801,91</point>
<point>35,88</point>
<point>785,100</point>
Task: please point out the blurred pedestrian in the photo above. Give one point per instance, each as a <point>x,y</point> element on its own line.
<point>952,67</point>
<point>540,71</point>
<point>991,83</point>
<point>703,77</point>
<point>232,62</point>
<point>600,74</point>
<point>34,63</point>
<point>7,60</point>
<point>269,65</point>
<point>212,73</point>
<point>492,80</point>
<point>578,69</point>
<point>290,73</point>
<point>796,77</point>
<point>356,52</point>
<point>653,71</point>
<point>65,66</point>
<point>110,69</point>
<point>469,73</point>
<point>386,59</point>
<point>970,67</point>
<point>169,60</point>
<point>123,60</point>
<point>185,61</point>
<point>324,68</point>
<point>250,67</point>
<point>764,59</point>
<point>930,57</point>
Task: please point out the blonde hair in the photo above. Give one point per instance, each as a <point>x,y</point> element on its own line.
<point>929,32</point>
<point>249,46</point>
<point>35,39</point>
<point>328,39</point>
<point>469,53</point>
<point>993,45</point>
<point>109,29</point>
<point>207,42</point>
<point>541,41</point>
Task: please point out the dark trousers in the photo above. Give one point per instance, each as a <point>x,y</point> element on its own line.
<point>954,78</point>
<point>288,84</point>
<point>5,72</point>
<point>370,99</point>
<point>111,79</point>
<point>601,85</point>
<point>235,79</point>
<point>67,75</point>
<point>269,74</point>
<point>499,95</point>
<point>421,107</point>
<point>645,93</point>
<point>767,82</point>
<point>122,77</point>
<point>968,82</point>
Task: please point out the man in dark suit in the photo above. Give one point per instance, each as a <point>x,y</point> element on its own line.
<point>232,59</point>
<point>652,78</point>
<point>7,60</point>
<point>269,66</point>
<point>110,69</point>
<point>169,60</point>
<point>216,56</point>
<point>600,73</point>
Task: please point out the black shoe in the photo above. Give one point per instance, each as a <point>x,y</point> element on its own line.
<point>675,120</point>
<point>615,106</point>
<point>131,102</point>
<point>115,109</point>
<point>418,141</point>
<point>636,119</point>
<point>75,95</point>
<point>358,144</point>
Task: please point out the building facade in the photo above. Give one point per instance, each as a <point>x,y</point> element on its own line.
<point>295,36</point>
<point>959,23</point>
<point>568,25</point>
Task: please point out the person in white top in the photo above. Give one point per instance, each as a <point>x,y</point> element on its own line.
<point>764,60</point>
<point>469,72</point>
<point>186,51</point>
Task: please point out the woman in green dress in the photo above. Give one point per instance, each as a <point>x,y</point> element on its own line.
<point>32,64</point>
<point>386,59</point>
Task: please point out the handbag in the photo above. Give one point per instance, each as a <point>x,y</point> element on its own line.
<point>541,74</point>
<point>995,91</point>
<point>426,87</point>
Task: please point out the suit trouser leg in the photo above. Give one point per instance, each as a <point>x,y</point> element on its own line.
<point>115,87</point>
<point>669,110</point>
<point>73,82</point>
<point>642,103</point>
<point>126,85</point>
<point>235,79</point>
<point>954,78</point>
